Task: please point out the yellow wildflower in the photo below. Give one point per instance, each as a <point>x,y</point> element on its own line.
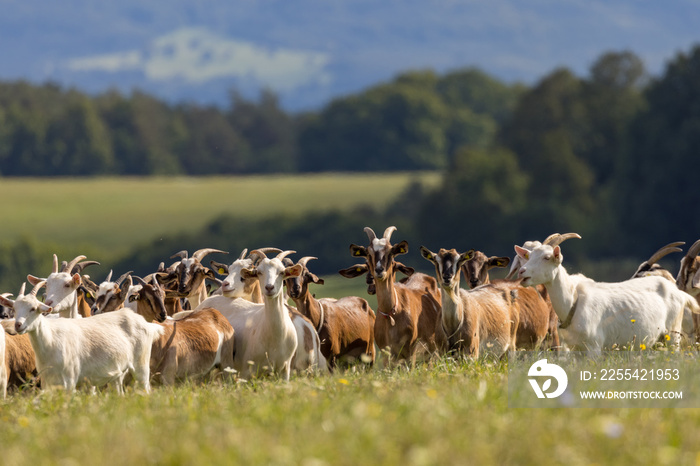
<point>633,321</point>
<point>642,346</point>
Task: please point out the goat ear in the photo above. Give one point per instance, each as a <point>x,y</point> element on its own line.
<point>522,253</point>
<point>293,271</point>
<point>124,287</point>
<point>696,280</point>
<point>249,273</point>
<point>34,280</point>
<point>557,253</point>
<point>218,267</point>
<point>44,309</point>
<point>464,257</point>
<point>354,271</point>
<point>77,280</point>
<point>404,269</point>
<point>358,251</point>
<point>498,262</point>
<point>7,302</point>
<point>314,279</point>
<point>427,254</point>
<point>400,248</point>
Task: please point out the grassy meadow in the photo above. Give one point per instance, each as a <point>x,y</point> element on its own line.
<point>438,413</point>
<point>114,214</point>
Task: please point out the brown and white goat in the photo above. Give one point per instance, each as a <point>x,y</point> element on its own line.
<point>537,318</point>
<point>110,295</point>
<point>192,346</point>
<point>481,321</point>
<point>190,275</point>
<point>345,326</point>
<point>406,312</point>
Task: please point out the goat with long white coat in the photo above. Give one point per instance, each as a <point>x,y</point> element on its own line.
<point>95,351</point>
<point>599,316</point>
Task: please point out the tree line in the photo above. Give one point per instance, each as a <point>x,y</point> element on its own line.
<point>613,155</point>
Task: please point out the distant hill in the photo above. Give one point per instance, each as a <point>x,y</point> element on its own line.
<point>309,51</point>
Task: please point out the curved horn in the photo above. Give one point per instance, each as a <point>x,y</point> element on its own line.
<point>72,263</point>
<point>21,289</point>
<point>123,277</point>
<point>556,239</point>
<point>270,250</point>
<point>304,260</point>
<point>388,232</point>
<point>182,254</point>
<point>80,266</point>
<point>109,276</point>
<point>200,253</point>
<point>664,251</point>
<point>141,281</point>
<point>370,234</point>
<point>243,253</point>
<point>54,269</point>
<point>694,249</point>
<point>256,256</point>
<point>36,288</point>
<point>284,254</point>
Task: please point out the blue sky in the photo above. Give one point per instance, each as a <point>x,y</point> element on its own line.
<point>309,51</point>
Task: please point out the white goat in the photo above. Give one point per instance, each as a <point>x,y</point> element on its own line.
<point>234,285</point>
<point>61,288</point>
<point>239,290</point>
<point>266,338</point>
<point>599,316</point>
<point>95,351</point>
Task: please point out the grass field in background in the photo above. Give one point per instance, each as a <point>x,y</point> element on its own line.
<point>435,414</point>
<point>116,213</point>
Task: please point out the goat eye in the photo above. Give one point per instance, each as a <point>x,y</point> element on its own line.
<point>548,257</point>
<point>242,280</point>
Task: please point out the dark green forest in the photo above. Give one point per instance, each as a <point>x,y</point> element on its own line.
<point>613,155</point>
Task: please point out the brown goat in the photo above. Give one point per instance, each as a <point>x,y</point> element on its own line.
<point>192,346</point>
<point>483,320</point>
<point>19,356</point>
<point>406,312</point>
<point>345,326</point>
<point>537,317</point>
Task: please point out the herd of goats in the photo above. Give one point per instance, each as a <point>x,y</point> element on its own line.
<point>168,326</point>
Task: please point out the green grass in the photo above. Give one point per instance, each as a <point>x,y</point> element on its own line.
<point>114,214</point>
<point>439,413</point>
